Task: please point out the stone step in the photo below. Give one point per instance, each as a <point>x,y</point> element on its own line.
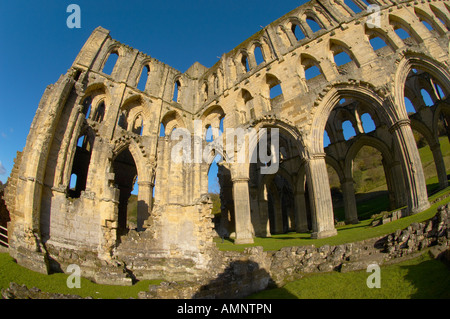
<point>363,262</point>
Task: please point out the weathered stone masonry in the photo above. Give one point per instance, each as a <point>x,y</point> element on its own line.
<point>95,134</point>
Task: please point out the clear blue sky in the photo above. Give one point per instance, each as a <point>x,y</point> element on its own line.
<point>37,46</point>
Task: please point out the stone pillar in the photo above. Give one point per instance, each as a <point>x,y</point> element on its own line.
<point>395,181</point>
<point>277,213</point>
<point>144,204</point>
<point>264,218</point>
<point>244,233</point>
<point>320,197</point>
<point>440,165</point>
<point>416,187</point>
<point>301,219</point>
<point>351,212</point>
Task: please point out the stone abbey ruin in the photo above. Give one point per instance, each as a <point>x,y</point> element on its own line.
<point>96,134</point>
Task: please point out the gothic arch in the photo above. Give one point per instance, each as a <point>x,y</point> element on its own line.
<point>405,64</point>
<point>362,92</point>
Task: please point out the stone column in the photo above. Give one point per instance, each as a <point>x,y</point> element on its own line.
<point>301,219</point>
<point>144,204</point>
<point>244,234</point>
<point>320,197</point>
<point>440,165</point>
<point>263,205</point>
<point>264,218</point>
<point>351,212</point>
<point>416,187</point>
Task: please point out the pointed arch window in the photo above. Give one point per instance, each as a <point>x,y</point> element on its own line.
<point>297,31</point>
<point>142,84</point>
<point>176,91</point>
<point>110,63</point>
<point>259,57</point>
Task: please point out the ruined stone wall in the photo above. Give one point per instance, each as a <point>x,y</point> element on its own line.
<point>244,273</point>
<point>100,131</point>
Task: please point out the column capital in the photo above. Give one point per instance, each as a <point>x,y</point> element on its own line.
<point>143,183</point>
<point>316,156</point>
<point>399,124</point>
<point>240,179</point>
<point>347,180</point>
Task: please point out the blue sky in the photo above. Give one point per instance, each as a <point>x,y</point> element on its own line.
<point>37,46</point>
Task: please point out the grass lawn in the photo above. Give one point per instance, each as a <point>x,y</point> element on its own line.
<point>419,278</point>
<point>10,271</point>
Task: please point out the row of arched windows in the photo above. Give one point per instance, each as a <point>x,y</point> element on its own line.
<point>259,51</point>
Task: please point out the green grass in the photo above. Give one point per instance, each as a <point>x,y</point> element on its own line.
<point>10,271</point>
<point>346,234</point>
<point>418,278</point>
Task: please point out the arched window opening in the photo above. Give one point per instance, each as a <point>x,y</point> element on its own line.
<point>402,33</point>
<point>244,63</point>
<point>274,86</point>
<point>348,130</point>
<point>342,58</point>
<point>125,177</point>
<point>426,97</point>
<point>440,16</point>
<point>259,57</point>
<point>275,91</point>
<point>367,123</point>
<point>341,55</point>
<point>144,78</point>
<point>111,62</point>
<point>377,43</point>
<point>297,31</point>
<point>80,167</point>
<point>427,25</point>
<point>100,112</point>
<point>213,180</point>
<point>176,91</point>
<point>313,24</point>
<point>312,72</point>
<point>219,213</point>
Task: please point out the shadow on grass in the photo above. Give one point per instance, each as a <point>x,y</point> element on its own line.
<point>431,278</point>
